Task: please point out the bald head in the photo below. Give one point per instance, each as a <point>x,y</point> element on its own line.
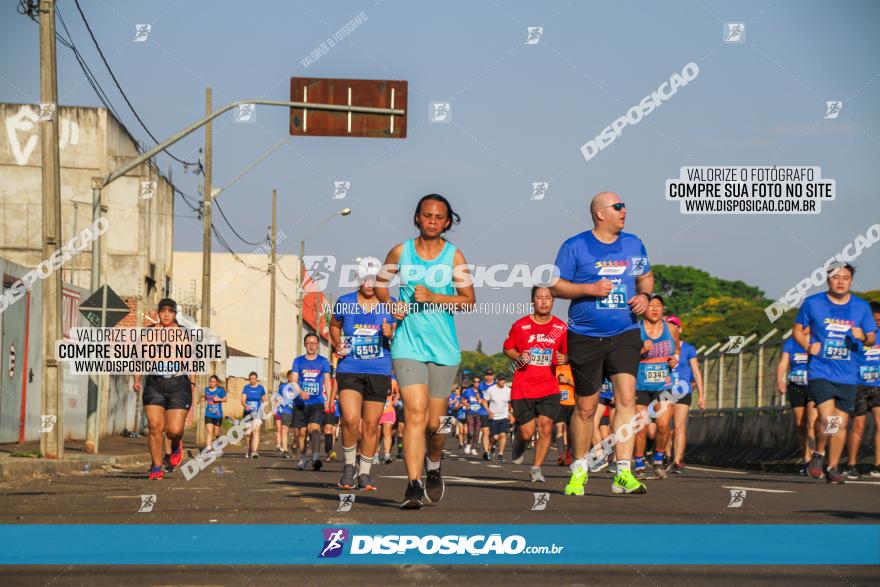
<point>602,200</point>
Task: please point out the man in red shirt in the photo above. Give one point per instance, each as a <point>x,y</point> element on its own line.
<point>536,343</point>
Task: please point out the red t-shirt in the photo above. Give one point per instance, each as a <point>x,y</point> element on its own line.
<point>537,378</point>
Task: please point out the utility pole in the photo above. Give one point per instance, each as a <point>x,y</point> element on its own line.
<point>52,398</point>
<point>205,318</point>
<point>271,372</point>
<point>299,299</point>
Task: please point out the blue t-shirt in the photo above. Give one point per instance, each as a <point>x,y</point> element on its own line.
<point>213,410</point>
<point>311,377</point>
<point>474,406</point>
<point>287,396</point>
<point>798,359</point>
<point>869,366</point>
<point>654,372</point>
<point>831,324</point>
<point>606,391</point>
<point>584,259</point>
<point>369,351</point>
<point>253,397</point>
<point>683,371</point>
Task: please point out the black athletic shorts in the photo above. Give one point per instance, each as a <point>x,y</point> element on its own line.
<point>331,418</point>
<point>173,393</point>
<point>685,400</point>
<point>606,401</point>
<point>401,415</point>
<point>526,410</point>
<point>867,398</point>
<point>374,388</point>
<point>594,358</point>
<point>215,420</point>
<point>798,395</point>
<point>564,416</point>
<point>287,419</point>
<point>484,422</point>
<point>645,397</point>
<point>843,394</point>
<point>310,414</point>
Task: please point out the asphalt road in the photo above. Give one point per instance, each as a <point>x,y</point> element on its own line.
<point>269,490</point>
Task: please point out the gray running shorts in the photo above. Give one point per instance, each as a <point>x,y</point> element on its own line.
<point>438,378</point>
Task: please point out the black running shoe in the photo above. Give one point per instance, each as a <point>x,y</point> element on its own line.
<point>316,464</point>
<point>349,477</point>
<point>434,486</point>
<point>815,468</point>
<point>834,476</point>
<point>412,499</point>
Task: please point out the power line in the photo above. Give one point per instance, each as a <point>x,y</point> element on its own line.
<point>241,238</point>
<point>119,87</point>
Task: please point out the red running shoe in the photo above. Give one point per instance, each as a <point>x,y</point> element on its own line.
<point>156,474</point>
<point>176,456</point>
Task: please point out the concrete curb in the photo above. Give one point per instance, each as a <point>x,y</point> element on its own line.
<point>22,467</point>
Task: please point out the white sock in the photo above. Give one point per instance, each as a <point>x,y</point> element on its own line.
<point>431,465</point>
<point>364,465</point>
<point>580,464</point>
<point>623,465</point>
<point>349,454</point>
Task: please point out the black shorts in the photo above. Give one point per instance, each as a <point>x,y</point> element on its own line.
<point>564,416</point>
<point>174,393</point>
<point>526,410</point>
<point>461,419</point>
<point>843,394</point>
<point>594,358</point>
<point>497,427</point>
<point>374,388</point>
<point>867,398</point>
<point>685,400</point>
<point>287,419</point>
<point>331,418</point>
<point>484,422</point>
<point>215,420</point>
<point>313,414</point>
<point>401,415</point>
<point>606,401</point>
<point>645,397</point>
<point>299,418</point>
<point>798,395</point>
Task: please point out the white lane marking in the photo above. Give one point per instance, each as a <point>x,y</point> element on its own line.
<point>459,479</point>
<point>757,489</point>
<point>863,482</point>
<point>718,470</point>
<point>494,466</point>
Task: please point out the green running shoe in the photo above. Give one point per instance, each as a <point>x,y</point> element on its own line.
<point>625,482</point>
<point>577,482</point>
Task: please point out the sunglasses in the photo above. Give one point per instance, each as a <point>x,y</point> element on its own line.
<point>617,207</point>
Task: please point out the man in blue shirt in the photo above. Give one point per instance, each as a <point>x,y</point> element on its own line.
<point>311,372</point>
<point>867,401</point>
<point>840,326</point>
<point>606,275</point>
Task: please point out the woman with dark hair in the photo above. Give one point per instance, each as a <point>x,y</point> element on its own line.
<point>167,398</point>
<point>434,282</point>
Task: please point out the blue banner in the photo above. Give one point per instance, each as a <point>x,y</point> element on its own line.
<point>527,544</point>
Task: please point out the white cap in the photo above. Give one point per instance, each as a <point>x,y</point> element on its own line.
<point>368,266</point>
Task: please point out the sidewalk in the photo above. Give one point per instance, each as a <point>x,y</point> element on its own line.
<point>114,450</point>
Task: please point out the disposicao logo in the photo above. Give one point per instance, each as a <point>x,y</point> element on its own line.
<point>334,542</point>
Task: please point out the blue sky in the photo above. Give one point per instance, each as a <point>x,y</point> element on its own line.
<point>519,114</point>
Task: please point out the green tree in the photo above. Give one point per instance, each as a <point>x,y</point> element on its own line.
<point>684,288</point>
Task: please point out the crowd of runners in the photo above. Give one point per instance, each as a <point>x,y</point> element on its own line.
<point>608,388</point>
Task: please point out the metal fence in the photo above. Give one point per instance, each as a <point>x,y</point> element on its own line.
<point>741,373</point>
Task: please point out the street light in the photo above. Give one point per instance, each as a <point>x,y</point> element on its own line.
<point>302,248</point>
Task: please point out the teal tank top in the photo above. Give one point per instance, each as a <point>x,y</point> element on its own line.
<point>427,336</point>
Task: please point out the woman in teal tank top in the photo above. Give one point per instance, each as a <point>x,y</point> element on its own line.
<point>434,282</point>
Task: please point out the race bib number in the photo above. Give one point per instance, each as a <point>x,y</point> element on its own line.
<point>563,395</point>
<point>311,387</point>
<point>798,377</point>
<point>253,404</point>
<point>836,349</point>
<point>615,300</point>
<point>870,373</point>
<point>367,347</point>
<point>540,357</point>
<point>474,407</point>
<point>656,373</point>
